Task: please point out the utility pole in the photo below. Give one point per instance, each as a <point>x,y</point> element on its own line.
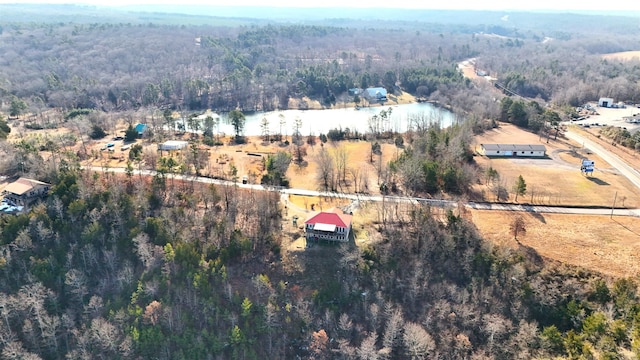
<point>614,204</point>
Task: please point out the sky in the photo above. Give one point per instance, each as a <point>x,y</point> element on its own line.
<point>408,4</point>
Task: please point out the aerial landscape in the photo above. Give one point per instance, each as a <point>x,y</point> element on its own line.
<point>220,181</point>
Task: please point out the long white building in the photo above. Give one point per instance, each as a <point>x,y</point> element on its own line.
<point>513,150</point>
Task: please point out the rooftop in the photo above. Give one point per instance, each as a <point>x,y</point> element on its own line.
<point>140,128</point>
<point>514,147</point>
<point>376,91</point>
<point>22,185</point>
<point>332,216</point>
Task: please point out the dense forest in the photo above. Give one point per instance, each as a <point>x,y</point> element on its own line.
<point>124,66</point>
<point>256,66</point>
<point>153,267</point>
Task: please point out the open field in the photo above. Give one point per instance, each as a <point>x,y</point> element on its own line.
<point>598,243</point>
<point>556,180</point>
<point>623,55</point>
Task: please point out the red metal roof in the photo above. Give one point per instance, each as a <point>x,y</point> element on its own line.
<point>333,216</point>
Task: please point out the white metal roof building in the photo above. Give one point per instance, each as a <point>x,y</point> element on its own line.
<point>172,145</point>
<point>605,102</point>
<point>517,150</point>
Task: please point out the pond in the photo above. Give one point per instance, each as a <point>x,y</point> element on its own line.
<point>321,121</point>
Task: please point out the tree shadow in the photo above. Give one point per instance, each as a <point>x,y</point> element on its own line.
<point>538,216</point>
<point>626,227</point>
<point>531,254</point>
<point>597,181</point>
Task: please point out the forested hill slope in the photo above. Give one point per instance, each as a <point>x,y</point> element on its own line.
<point>109,59</point>
<point>156,268</point>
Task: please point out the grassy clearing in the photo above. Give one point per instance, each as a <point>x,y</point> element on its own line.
<point>598,243</point>
<point>556,180</point>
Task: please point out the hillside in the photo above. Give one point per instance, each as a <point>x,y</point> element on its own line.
<point>185,271</point>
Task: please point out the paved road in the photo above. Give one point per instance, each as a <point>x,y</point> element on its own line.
<point>379,198</point>
<point>629,172</point>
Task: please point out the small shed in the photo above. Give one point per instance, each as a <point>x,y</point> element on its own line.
<point>605,102</point>
<point>141,129</point>
<point>172,145</point>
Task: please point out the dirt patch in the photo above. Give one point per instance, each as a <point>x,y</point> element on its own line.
<point>598,243</point>
<point>309,204</point>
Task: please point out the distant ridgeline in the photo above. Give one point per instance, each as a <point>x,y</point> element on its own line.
<point>495,21</point>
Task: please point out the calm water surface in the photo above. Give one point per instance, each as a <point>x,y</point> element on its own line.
<point>321,121</point>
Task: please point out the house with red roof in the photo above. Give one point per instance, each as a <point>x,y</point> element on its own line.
<point>330,225</point>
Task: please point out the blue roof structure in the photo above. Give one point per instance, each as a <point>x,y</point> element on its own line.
<point>141,128</point>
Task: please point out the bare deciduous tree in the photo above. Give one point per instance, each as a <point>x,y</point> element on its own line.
<point>517,226</point>
<point>326,170</point>
<point>367,349</point>
<point>419,343</point>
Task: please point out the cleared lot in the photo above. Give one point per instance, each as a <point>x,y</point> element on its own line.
<point>555,180</point>
<point>599,243</point>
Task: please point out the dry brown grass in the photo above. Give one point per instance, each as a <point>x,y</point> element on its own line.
<point>598,243</point>
<point>319,203</point>
<point>358,156</point>
<point>623,55</point>
<point>558,180</point>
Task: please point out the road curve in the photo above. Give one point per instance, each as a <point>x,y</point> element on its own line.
<point>629,172</point>
<point>389,198</point>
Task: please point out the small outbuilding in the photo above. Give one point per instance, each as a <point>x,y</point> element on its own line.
<point>376,94</point>
<point>172,145</point>
<point>605,102</point>
<point>141,129</point>
<point>513,150</point>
